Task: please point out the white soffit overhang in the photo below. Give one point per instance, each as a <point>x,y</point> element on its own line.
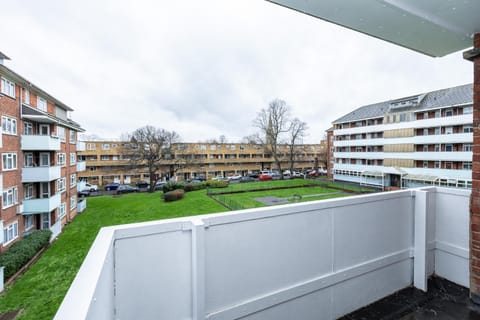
<point>433,27</point>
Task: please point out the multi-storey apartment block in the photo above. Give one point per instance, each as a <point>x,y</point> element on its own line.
<point>38,146</point>
<point>105,162</point>
<point>419,140</point>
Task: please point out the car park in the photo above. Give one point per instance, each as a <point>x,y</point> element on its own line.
<point>159,185</point>
<point>125,188</point>
<point>112,186</point>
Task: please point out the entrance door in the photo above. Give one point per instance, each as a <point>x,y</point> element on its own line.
<point>395,180</point>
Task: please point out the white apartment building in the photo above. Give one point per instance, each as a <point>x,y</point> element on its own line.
<point>419,140</point>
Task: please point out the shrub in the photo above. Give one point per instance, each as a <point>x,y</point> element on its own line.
<point>173,186</point>
<point>174,195</point>
<point>217,184</point>
<point>23,250</point>
<point>196,186</point>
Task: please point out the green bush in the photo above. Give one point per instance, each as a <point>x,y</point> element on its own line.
<point>217,184</point>
<point>173,186</point>
<point>23,250</point>
<point>196,186</point>
<point>174,195</point>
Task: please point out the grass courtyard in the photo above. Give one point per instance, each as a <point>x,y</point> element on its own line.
<point>41,289</point>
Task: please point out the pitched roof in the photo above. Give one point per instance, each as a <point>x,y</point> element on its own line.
<point>435,99</point>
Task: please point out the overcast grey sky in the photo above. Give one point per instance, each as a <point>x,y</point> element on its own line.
<point>205,68</point>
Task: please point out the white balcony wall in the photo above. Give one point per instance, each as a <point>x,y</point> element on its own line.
<point>40,174</point>
<point>317,260</point>
<point>434,156</point>
<point>81,146</point>
<point>31,206</point>
<point>430,139</point>
<point>81,166</point>
<point>41,143</point>
<point>426,123</point>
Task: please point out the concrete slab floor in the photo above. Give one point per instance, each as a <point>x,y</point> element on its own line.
<point>444,300</point>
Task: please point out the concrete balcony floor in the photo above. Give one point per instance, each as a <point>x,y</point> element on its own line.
<point>444,300</point>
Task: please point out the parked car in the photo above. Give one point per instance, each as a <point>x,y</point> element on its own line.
<point>195,181</point>
<point>297,174</point>
<point>248,179</point>
<point>125,188</point>
<point>219,178</point>
<point>265,177</point>
<point>82,186</point>
<point>159,185</point>
<point>143,184</point>
<point>254,175</point>
<point>112,186</point>
<point>201,178</point>
<point>235,178</point>
<point>83,193</point>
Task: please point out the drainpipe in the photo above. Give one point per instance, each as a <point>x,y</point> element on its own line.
<point>474,56</point>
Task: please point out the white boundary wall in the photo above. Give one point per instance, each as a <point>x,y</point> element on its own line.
<point>316,260</point>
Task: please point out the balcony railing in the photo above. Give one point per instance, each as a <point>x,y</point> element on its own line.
<point>321,259</point>
<point>81,166</point>
<point>41,143</point>
<point>40,174</point>
<point>41,205</point>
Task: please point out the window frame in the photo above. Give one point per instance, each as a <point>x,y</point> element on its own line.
<point>13,228</point>
<point>9,197</point>
<point>5,160</point>
<point>9,125</point>
<point>42,104</point>
<point>8,87</point>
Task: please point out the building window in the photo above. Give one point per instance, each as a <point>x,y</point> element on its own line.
<point>232,147</point>
<point>73,158</point>
<point>62,159</point>
<point>106,146</point>
<point>27,96</point>
<point>9,125</point>
<point>61,133</point>
<point>73,136</point>
<point>10,233</point>
<point>62,210</point>
<point>203,147</point>
<point>28,191</point>
<point>448,130</point>
<point>28,160</point>
<point>467,147</point>
<point>104,158</point>
<point>448,165</point>
<point>468,110</point>
<point>73,202</point>
<point>27,128</point>
<point>425,147</point>
<point>41,103</point>
<point>448,148</point>
<point>9,197</point>
<point>448,113</point>
<point>90,146</point>
<point>467,166</point>
<point>9,161</point>
<point>437,164</point>
<point>61,184</point>
<point>213,147</point>
<point>437,114</point>
<point>437,148</point>
<point>29,222</point>
<point>73,180</point>
<point>44,159</point>
<point>425,131</point>
<point>8,87</point>
<point>115,158</point>
<point>437,131</point>
<point>467,128</point>
<point>425,115</point>
<point>93,169</point>
<point>425,164</point>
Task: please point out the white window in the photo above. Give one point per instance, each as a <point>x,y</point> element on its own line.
<point>73,202</point>
<point>44,130</point>
<point>437,164</point>
<point>10,233</point>
<point>29,222</point>
<point>73,180</point>
<point>467,147</point>
<point>448,113</point>
<point>437,148</point>
<point>425,131</point>
<point>448,130</point>
<point>61,133</point>
<point>28,191</point>
<point>73,136</point>
<point>425,147</point>
<point>41,103</point>
<point>8,87</point>
<point>467,166</point>
<point>437,130</point>
<point>115,158</point>
<point>73,158</point>
<point>213,147</point>
<point>28,128</point>
<point>62,210</point>
<point>467,128</point>
<point>9,161</point>
<point>61,184</point>
<point>437,114</point>
<point>44,159</point>
<point>9,125</point>
<point>232,147</point>
<point>425,164</point>
<point>90,146</point>
<point>62,159</point>
<point>106,146</point>
<point>28,160</point>
<point>9,197</point>
<point>27,96</point>
<point>468,110</point>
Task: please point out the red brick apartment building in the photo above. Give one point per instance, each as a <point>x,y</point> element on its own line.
<point>38,146</point>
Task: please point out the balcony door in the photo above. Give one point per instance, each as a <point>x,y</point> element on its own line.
<point>45,220</point>
<point>44,190</point>
<point>44,129</point>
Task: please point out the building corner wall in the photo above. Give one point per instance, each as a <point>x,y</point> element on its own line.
<point>475,196</point>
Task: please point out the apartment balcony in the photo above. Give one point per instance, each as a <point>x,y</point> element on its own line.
<point>40,143</point>
<point>316,260</point>
<point>40,174</point>
<point>81,166</point>
<point>41,205</point>
<point>420,155</point>
<point>81,146</point>
<point>424,139</point>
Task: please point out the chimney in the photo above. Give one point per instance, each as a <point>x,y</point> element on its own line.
<point>3,57</point>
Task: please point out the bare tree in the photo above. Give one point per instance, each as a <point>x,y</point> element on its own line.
<point>148,147</point>
<point>273,122</point>
<point>296,133</point>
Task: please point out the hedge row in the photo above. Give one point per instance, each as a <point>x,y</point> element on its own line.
<point>173,195</point>
<point>23,250</point>
<point>192,187</point>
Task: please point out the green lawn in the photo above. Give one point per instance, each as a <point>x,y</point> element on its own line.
<point>42,288</point>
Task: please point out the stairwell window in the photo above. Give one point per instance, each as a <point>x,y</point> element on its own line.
<point>8,87</point>
<point>9,125</point>
<point>73,158</point>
